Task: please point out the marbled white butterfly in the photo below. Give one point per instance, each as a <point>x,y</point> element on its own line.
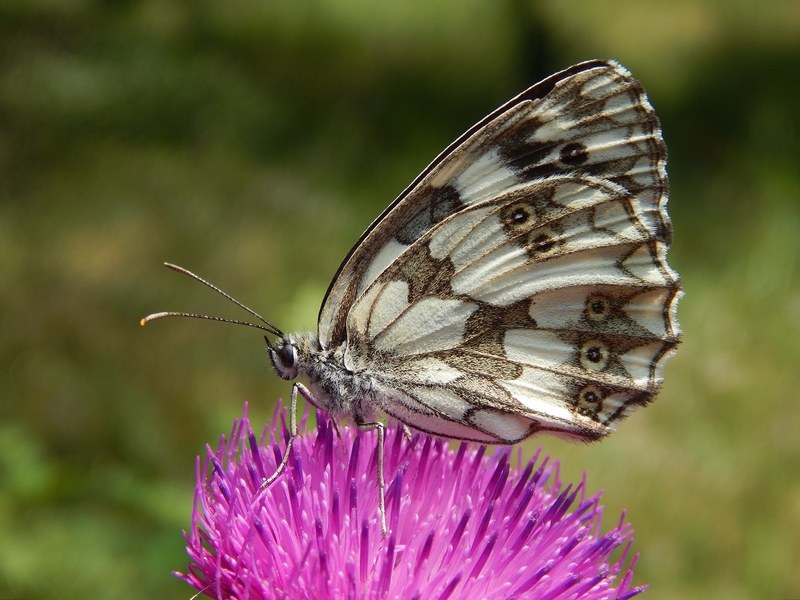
<point>518,285</point>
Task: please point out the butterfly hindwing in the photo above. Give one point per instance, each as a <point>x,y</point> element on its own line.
<point>521,284</point>
<point>567,339</point>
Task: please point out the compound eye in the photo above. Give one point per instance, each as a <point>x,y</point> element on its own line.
<point>288,355</point>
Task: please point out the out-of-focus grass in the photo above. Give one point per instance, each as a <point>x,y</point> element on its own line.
<point>252,142</point>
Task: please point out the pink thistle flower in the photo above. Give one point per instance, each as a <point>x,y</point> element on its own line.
<point>461,524</point>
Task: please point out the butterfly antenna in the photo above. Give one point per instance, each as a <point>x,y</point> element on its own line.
<point>267,326</point>
<point>160,315</point>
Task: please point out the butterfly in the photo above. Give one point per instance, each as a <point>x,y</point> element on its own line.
<point>518,285</point>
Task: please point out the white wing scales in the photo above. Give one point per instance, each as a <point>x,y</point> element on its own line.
<point>520,284</point>
<point>411,332</point>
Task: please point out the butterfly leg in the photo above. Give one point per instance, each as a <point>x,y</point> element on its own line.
<point>381,429</point>
<point>335,427</point>
<point>297,387</point>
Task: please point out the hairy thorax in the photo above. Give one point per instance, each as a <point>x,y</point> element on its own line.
<point>340,390</point>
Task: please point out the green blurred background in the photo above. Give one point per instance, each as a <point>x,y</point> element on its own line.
<point>252,141</point>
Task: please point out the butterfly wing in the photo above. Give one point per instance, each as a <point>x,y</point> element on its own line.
<point>521,284</point>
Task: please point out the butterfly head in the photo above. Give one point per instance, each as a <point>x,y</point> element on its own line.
<point>285,357</point>
<point>294,354</point>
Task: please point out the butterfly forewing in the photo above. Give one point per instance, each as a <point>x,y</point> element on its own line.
<point>521,284</point>
<point>592,118</point>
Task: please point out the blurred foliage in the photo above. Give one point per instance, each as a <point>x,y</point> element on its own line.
<point>252,141</point>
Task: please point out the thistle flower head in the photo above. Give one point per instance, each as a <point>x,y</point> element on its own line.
<point>462,523</point>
